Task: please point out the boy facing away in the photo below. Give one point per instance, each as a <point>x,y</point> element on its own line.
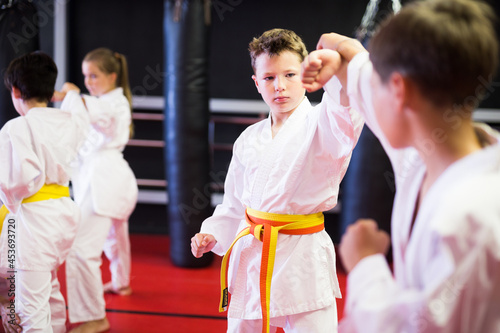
<point>40,220</point>
<point>428,68</point>
<point>285,171</point>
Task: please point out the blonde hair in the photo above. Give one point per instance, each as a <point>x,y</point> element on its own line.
<point>113,62</point>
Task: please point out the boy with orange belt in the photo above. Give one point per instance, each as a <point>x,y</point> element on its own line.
<point>286,168</point>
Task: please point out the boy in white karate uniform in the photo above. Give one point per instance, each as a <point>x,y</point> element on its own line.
<point>286,168</point>
<point>427,70</point>
<point>39,218</point>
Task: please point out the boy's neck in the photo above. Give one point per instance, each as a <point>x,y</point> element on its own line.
<point>32,103</point>
<point>278,119</point>
<point>453,145</point>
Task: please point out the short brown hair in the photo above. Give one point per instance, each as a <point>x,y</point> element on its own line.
<point>275,41</point>
<point>448,48</point>
<point>34,74</point>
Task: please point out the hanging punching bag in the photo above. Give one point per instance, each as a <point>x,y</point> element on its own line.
<point>18,36</point>
<point>186,35</point>
<point>368,185</point>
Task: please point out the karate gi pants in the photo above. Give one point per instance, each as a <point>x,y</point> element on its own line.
<point>320,321</point>
<point>83,265</point>
<point>39,302</point>
<point>117,250</point>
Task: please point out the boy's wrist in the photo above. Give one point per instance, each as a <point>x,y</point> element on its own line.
<point>339,43</point>
<point>348,48</point>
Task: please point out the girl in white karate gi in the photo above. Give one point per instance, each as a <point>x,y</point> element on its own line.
<point>429,67</point>
<point>289,164</point>
<point>106,190</point>
<point>40,221</point>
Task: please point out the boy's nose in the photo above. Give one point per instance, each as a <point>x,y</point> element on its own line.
<point>279,84</point>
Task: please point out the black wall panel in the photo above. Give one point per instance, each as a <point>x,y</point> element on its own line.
<point>134,28</point>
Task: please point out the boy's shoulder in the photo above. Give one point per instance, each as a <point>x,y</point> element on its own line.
<point>19,121</point>
<point>47,117</point>
<point>45,114</point>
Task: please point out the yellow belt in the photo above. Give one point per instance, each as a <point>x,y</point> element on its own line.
<point>52,191</point>
<point>265,227</point>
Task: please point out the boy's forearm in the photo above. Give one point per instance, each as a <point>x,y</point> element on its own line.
<point>346,46</point>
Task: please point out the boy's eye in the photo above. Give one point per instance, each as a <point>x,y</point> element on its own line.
<point>268,78</point>
<point>290,75</point>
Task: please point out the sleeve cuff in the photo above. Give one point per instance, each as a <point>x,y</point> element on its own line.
<point>354,66</point>
<point>69,100</point>
<point>365,275</point>
<point>332,88</point>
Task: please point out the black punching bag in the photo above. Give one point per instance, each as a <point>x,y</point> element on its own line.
<point>368,186</point>
<point>18,36</point>
<point>186,35</point>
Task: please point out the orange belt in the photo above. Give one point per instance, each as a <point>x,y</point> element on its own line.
<point>51,191</point>
<point>265,227</point>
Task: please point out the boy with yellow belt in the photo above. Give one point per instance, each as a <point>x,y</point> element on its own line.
<point>285,171</point>
<point>40,219</point>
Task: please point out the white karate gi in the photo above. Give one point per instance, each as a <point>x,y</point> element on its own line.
<point>37,149</point>
<point>296,172</point>
<point>447,275</point>
<point>106,190</point>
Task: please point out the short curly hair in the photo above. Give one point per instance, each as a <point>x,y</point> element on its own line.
<point>275,41</point>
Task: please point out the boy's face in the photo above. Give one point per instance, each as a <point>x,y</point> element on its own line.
<point>277,79</point>
<point>386,99</point>
<point>97,82</point>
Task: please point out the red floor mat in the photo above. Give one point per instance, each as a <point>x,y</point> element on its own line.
<point>167,298</point>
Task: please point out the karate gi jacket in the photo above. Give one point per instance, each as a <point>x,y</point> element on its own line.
<point>447,275</point>
<point>37,149</point>
<point>296,172</point>
<point>102,172</point>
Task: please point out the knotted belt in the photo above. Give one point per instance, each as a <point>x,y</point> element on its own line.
<point>265,227</point>
<point>51,191</point>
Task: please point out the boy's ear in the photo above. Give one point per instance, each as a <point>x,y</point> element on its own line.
<point>16,93</point>
<point>254,78</point>
<point>398,87</point>
<point>406,92</point>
